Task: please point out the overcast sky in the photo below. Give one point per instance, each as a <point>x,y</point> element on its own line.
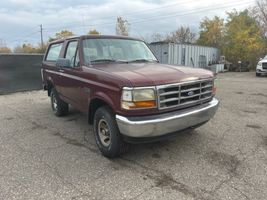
<point>20,19</point>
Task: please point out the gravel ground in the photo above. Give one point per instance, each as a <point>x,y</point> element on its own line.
<point>45,157</point>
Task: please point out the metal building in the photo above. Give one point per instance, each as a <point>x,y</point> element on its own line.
<point>185,54</point>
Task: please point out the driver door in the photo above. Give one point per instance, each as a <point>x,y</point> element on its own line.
<point>70,76</point>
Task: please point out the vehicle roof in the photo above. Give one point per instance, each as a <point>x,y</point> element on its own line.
<point>95,36</point>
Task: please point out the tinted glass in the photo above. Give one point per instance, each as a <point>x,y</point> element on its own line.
<point>71,52</point>
<point>53,52</point>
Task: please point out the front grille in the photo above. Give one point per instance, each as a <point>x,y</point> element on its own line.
<point>184,94</point>
<point>264,65</point>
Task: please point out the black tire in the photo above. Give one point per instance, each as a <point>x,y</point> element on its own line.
<point>257,74</point>
<point>59,107</point>
<point>107,134</point>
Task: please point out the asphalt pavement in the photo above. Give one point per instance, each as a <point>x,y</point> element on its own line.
<point>46,157</point>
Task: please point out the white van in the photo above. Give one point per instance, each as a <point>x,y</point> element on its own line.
<point>261,68</point>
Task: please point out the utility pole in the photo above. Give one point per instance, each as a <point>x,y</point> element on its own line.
<point>42,40</point>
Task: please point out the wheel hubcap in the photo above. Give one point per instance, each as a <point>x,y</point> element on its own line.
<point>54,102</point>
<point>103,132</point>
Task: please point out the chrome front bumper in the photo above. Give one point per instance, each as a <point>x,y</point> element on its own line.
<point>162,124</point>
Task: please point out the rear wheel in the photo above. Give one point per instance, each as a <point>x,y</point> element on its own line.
<point>107,134</point>
<point>59,107</point>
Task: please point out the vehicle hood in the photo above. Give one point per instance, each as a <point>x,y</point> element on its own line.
<point>152,74</point>
<point>263,61</point>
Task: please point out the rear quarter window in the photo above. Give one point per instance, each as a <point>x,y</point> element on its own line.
<point>53,52</point>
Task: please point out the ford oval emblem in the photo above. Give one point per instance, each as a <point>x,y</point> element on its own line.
<point>190,93</point>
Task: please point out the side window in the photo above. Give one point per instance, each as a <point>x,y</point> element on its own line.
<point>71,53</point>
<point>53,52</point>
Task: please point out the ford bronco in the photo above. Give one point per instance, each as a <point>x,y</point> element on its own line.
<point>128,96</point>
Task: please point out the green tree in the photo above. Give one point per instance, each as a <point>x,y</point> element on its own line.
<point>61,35</point>
<point>211,32</point>
<point>122,26</point>
<point>243,40</point>
<point>93,32</point>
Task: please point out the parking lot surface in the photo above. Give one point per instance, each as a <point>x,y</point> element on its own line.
<point>46,157</point>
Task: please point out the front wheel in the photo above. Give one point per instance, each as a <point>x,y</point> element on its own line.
<point>107,134</point>
<point>257,74</point>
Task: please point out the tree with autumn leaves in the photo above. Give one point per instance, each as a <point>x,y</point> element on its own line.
<point>4,48</point>
<point>211,32</point>
<point>29,48</point>
<point>243,39</point>
<point>238,37</point>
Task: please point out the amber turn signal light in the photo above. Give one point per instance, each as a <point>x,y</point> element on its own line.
<point>138,104</point>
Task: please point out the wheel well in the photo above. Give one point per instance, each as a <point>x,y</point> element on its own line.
<point>49,87</point>
<point>94,105</point>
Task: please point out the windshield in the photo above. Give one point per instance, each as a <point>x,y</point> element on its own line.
<point>116,50</point>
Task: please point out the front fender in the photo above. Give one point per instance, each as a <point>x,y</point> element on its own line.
<point>104,97</point>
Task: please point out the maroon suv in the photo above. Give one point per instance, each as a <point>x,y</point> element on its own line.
<point>128,95</point>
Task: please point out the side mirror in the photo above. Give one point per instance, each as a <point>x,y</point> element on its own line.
<point>63,63</point>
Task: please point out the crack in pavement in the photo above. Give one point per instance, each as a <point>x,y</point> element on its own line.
<point>52,170</point>
<point>55,132</point>
<point>223,136</point>
<point>232,173</point>
<point>240,192</point>
<point>160,178</point>
<point>140,194</point>
<point>259,94</point>
<point>75,142</point>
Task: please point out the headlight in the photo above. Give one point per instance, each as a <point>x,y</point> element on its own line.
<point>138,98</point>
<point>144,95</point>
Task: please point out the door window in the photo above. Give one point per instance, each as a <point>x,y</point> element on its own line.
<point>71,53</point>
<point>53,52</point>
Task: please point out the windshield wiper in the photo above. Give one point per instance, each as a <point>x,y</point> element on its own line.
<point>121,61</point>
<point>103,60</point>
<point>107,60</point>
<point>142,60</point>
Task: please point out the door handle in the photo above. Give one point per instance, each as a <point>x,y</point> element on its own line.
<point>61,70</point>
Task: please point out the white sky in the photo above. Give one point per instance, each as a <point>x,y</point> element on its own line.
<point>20,19</point>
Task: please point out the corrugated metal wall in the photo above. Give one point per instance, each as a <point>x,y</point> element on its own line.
<point>185,54</point>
